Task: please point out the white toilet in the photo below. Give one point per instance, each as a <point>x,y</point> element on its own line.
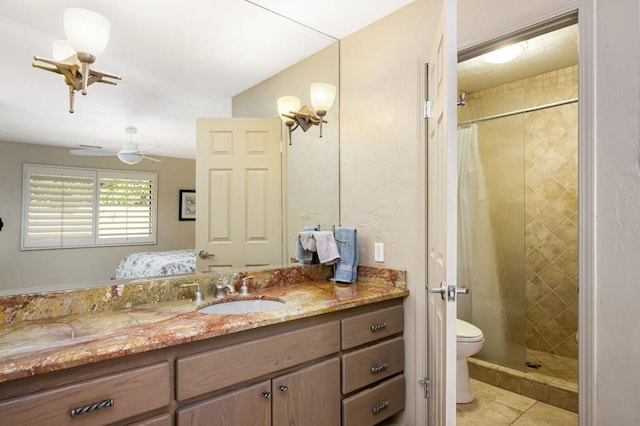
<point>469,342</point>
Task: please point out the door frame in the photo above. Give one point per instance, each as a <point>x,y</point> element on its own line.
<point>586,202</point>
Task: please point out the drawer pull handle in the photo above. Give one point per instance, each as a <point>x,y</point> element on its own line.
<point>266,394</point>
<point>380,407</point>
<point>283,388</point>
<point>92,407</point>
<point>378,326</point>
<point>378,368</point>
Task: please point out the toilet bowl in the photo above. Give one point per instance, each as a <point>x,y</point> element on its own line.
<point>469,340</point>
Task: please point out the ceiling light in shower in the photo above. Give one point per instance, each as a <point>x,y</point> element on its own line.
<point>504,54</point>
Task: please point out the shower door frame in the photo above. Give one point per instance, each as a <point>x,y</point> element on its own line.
<point>584,10</point>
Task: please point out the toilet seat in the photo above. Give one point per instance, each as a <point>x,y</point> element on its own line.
<point>468,333</point>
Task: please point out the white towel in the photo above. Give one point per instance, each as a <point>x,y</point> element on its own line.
<point>326,247</point>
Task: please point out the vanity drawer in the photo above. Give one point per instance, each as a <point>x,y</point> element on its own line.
<point>371,406</point>
<point>121,395</point>
<point>365,328</point>
<point>161,420</point>
<point>373,363</point>
<point>216,369</point>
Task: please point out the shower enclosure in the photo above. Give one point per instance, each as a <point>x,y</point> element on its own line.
<point>517,223</point>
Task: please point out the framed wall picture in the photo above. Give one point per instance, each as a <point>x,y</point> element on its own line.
<point>187,204</point>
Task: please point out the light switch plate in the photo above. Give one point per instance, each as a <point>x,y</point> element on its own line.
<point>378,252</point>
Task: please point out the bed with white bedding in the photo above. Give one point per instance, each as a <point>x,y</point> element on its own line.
<point>157,263</point>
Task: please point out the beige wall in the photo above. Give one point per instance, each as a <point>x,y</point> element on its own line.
<point>380,133</point>
<point>379,78</point>
<point>379,116</point>
<point>65,268</point>
<point>616,244</point>
<point>311,163</point>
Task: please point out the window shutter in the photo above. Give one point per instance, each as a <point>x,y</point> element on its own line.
<point>58,207</point>
<point>68,207</point>
<point>126,207</point>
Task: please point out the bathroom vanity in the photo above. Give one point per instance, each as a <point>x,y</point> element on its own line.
<point>317,360</point>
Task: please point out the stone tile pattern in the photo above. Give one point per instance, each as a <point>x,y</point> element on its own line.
<point>48,332</point>
<point>551,201</point>
<point>122,294</point>
<point>551,215</point>
<point>495,406</point>
<point>541,386</point>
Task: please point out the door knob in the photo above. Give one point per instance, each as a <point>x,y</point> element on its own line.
<point>204,254</point>
<point>449,291</point>
<point>283,388</point>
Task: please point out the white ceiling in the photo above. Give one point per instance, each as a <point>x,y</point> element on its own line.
<point>547,52</point>
<point>179,60</point>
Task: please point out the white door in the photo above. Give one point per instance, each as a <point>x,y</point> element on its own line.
<point>442,221</point>
<point>238,190</point>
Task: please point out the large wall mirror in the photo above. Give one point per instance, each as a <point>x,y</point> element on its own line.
<point>310,162</point>
<point>310,194</point>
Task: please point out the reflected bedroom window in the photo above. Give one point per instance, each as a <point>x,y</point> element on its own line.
<point>66,207</point>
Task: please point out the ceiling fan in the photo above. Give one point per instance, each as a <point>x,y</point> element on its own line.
<point>129,154</point>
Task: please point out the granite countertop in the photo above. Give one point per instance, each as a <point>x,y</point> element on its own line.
<point>50,343</point>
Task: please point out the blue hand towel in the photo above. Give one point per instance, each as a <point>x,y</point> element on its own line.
<point>303,242</point>
<point>310,228</point>
<point>347,267</point>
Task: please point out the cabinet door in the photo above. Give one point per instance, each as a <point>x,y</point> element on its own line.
<point>247,406</point>
<point>310,396</point>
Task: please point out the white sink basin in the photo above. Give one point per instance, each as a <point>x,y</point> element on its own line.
<point>241,306</point>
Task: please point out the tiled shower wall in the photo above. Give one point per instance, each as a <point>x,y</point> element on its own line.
<point>551,216</point>
<point>550,201</point>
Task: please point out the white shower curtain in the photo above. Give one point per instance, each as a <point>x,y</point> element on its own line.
<point>477,263</point>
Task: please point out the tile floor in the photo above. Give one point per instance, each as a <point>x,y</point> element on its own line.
<point>556,366</point>
<point>495,406</point>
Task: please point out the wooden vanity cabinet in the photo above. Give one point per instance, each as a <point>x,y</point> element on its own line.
<point>248,406</point>
<point>311,371</point>
<point>309,396</point>
<point>97,401</point>
<point>372,361</point>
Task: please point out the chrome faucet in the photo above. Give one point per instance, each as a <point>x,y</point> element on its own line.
<point>244,290</point>
<point>198,296</point>
<point>224,290</point>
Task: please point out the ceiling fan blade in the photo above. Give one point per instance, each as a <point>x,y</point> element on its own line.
<point>152,159</point>
<point>92,152</point>
<point>146,148</point>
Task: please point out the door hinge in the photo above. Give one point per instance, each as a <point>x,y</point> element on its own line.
<point>426,384</point>
<point>427,109</point>
<point>281,146</point>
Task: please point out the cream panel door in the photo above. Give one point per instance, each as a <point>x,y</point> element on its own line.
<point>238,190</point>
<point>442,221</point>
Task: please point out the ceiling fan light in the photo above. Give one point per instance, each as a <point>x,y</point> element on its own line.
<point>130,158</point>
<point>87,31</point>
<point>62,50</point>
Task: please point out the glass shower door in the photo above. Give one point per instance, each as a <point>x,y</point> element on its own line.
<point>491,236</point>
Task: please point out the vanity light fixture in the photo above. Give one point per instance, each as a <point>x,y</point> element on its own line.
<point>87,36</point>
<point>293,116</point>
